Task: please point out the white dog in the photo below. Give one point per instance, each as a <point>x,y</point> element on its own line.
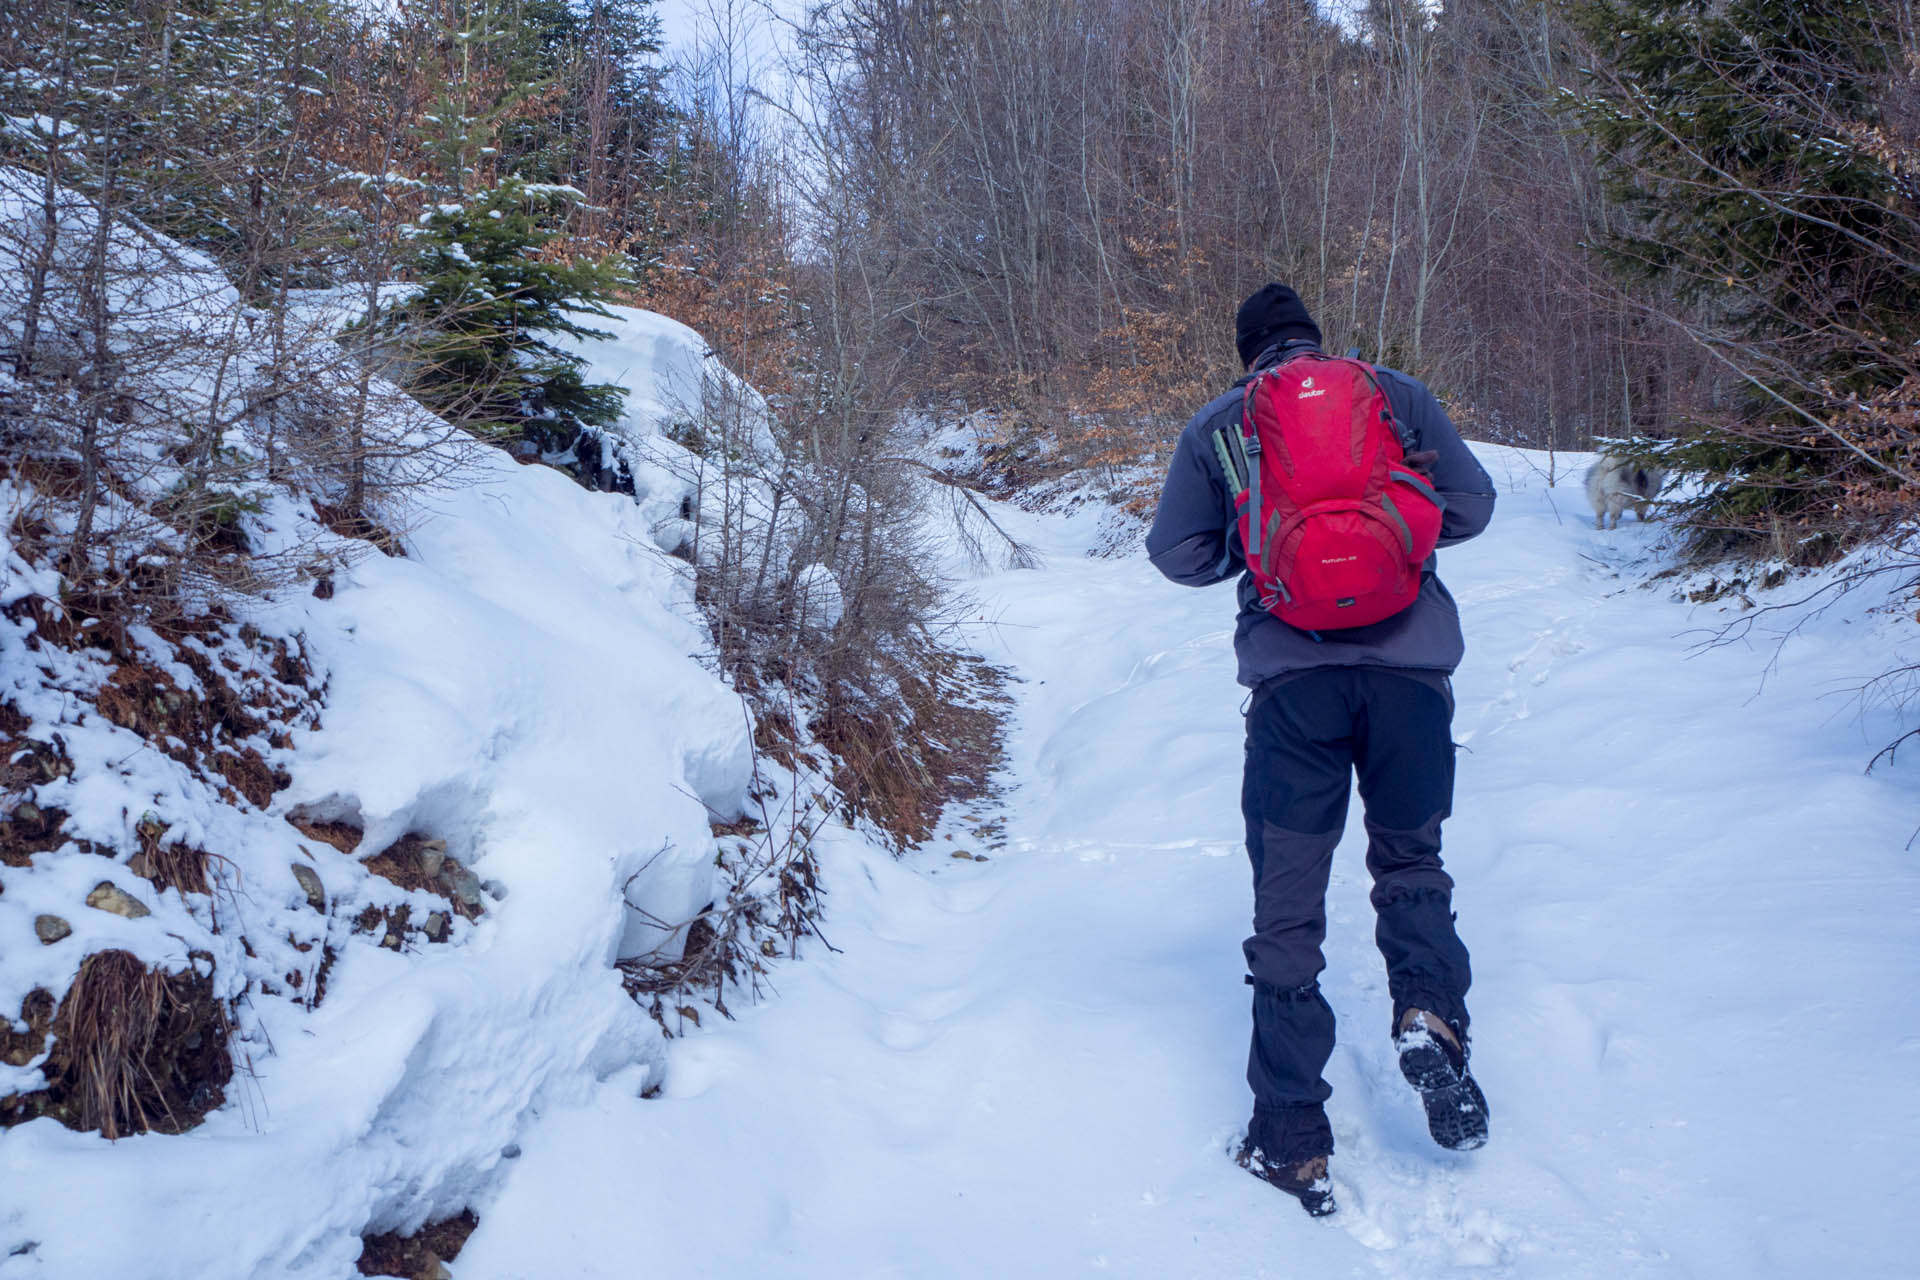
<point>1614,484</point>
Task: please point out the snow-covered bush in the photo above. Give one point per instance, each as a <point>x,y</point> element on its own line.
<point>808,522</point>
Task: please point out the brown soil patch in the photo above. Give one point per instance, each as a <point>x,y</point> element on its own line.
<point>415,863</point>
<point>344,836</point>
<point>250,775</point>
<point>28,829</point>
<point>387,925</point>
<point>744,826</point>
<point>405,863</point>
<point>418,1256</point>
<point>418,862</point>
<point>18,1048</point>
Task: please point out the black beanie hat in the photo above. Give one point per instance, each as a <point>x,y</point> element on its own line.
<point>1273,314</point>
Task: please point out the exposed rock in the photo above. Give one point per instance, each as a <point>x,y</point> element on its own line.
<point>310,885</point>
<point>141,865</point>
<point>108,896</point>
<point>433,856</point>
<point>437,925</point>
<point>50,929</point>
<point>462,884</point>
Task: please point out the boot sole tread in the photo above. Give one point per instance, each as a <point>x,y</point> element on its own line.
<point>1456,1109</point>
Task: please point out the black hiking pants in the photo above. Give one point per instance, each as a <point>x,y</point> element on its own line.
<point>1307,736</point>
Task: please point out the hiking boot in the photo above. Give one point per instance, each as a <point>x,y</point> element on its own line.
<point>1434,1061</point>
<point>1304,1180</point>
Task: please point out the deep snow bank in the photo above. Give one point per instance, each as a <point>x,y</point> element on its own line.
<point>520,685</point>
<point>524,684</point>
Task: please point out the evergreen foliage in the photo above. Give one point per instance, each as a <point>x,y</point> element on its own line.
<point>1744,144</point>
<point>599,60</point>
<point>190,111</point>
<point>489,295</point>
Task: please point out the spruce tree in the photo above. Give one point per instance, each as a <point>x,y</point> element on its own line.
<point>477,327</point>
<point>496,277</point>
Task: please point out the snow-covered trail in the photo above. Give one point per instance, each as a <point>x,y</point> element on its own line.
<point>1695,933</point>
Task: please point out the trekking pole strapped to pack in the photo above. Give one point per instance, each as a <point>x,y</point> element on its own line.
<point>1337,528</point>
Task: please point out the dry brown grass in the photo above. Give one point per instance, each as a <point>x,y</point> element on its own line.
<point>133,1050</point>
<point>174,864</point>
<point>903,770</point>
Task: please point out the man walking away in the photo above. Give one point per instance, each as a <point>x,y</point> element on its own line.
<point>1332,700</point>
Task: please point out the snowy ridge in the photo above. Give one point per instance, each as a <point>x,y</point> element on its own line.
<point>1695,938</point>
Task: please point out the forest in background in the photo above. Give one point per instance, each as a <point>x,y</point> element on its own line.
<point>1690,226</point>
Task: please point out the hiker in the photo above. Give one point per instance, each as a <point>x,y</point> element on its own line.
<point>1347,639</point>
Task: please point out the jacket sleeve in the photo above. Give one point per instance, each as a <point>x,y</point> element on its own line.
<point>1195,538</point>
<point>1457,474</point>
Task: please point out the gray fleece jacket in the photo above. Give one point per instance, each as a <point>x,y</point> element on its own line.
<point>1195,541</point>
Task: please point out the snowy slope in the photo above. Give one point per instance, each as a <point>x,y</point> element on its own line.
<point>527,683</point>
<point>1695,932</point>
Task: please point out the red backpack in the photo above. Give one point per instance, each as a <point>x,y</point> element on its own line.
<point>1336,527</point>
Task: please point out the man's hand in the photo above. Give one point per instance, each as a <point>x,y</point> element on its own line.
<point>1422,462</point>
